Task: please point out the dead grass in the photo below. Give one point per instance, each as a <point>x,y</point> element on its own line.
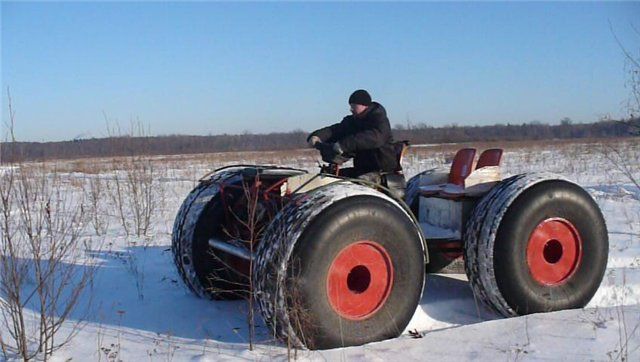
<point>304,158</point>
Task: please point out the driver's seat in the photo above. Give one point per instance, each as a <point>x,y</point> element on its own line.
<point>395,180</point>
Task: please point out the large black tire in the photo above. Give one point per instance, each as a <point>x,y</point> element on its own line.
<point>205,271</point>
<point>536,243</point>
<point>438,261</point>
<point>297,281</point>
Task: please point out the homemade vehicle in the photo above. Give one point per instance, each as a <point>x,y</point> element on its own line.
<point>336,262</point>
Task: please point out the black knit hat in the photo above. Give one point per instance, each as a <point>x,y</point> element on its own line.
<point>360,96</point>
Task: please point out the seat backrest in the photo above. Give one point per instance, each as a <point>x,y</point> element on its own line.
<point>400,148</point>
<point>461,166</point>
<point>490,157</point>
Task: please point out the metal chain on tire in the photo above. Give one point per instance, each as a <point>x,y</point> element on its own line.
<point>480,233</point>
<point>273,253</point>
<point>185,224</point>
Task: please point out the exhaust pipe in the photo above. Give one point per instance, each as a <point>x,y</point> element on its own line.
<point>228,248</point>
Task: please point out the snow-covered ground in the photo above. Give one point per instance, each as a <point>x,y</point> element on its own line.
<point>141,310</point>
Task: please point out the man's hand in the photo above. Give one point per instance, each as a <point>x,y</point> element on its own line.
<point>337,148</point>
<point>313,140</point>
<point>330,152</point>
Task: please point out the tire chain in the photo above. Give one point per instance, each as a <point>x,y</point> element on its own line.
<point>185,224</point>
<point>480,233</point>
<point>273,253</point>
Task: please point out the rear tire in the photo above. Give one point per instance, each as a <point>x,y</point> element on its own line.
<point>203,269</point>
<point>536,243</point>
<point>341,266</point>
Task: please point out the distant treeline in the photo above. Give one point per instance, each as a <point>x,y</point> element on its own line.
<point>417,134</point>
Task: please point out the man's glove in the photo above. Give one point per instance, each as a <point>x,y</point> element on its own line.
<point>337,148</point>
<point>331,152</point>
<point>313,140</point>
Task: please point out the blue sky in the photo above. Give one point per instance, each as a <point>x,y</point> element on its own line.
<point>211,68</point>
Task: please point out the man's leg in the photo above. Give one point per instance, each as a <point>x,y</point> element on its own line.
<point>396,183</point>
<point>369,176</point>
<point>349,172</point>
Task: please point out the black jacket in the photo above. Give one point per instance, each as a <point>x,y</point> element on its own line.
<point>368,139</point>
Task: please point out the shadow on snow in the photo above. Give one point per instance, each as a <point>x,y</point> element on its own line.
<point>140,289</point>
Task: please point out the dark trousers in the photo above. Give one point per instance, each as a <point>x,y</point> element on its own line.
<point>393,181</point>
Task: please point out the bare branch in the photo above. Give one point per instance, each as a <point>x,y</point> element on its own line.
<point>12,115</point>
<point>623,48</point>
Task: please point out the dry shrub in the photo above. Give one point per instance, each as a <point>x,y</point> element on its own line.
<point>134,190</point>
<point>43,268</point>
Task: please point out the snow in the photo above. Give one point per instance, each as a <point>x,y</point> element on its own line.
<point>141,310</point>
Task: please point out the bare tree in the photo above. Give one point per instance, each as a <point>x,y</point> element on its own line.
<point>41,254</point>
<point>95,193</point>
<point>632,66</point>
<point>135,189</point>
<point>43,275</point>
<point>629,168</point>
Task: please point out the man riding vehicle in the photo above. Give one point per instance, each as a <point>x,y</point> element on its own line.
<point>364,135</point>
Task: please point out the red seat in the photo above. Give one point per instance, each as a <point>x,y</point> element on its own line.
<point>490,157</point>
<point>462,166</point>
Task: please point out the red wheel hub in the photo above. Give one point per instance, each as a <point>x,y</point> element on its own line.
<point>554,251</point>
<point>360,280</point>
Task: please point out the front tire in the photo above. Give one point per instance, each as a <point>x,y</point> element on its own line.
<point>337,271</point>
